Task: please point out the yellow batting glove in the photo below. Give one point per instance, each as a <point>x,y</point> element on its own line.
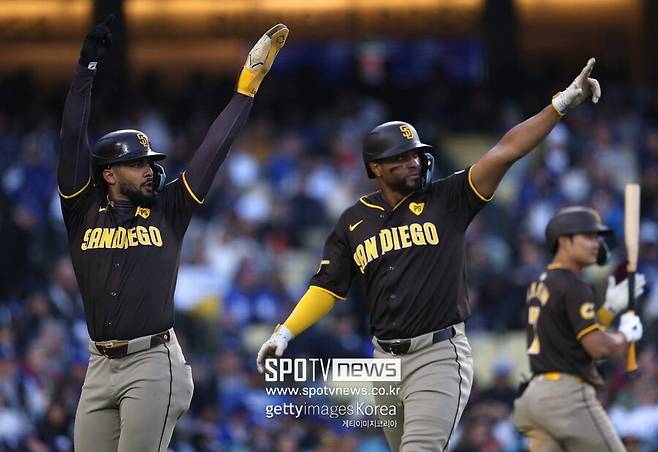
<point>260,59</point>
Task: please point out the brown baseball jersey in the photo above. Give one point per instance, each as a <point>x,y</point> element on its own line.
<point>126,259</point>
<point>126,256</point>
<point>561,311</point>
<point>410,257</point>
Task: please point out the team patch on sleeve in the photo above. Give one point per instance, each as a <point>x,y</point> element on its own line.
<point>587,310</point>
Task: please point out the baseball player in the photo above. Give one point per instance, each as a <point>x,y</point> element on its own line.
<point>405,243</point>
<point>125,228</point>
<point>559,410</point>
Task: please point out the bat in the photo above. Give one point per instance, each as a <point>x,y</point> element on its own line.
<point>632,239</point>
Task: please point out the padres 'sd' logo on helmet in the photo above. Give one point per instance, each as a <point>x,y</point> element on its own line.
<point>406,132</point>
<point>143,139</point>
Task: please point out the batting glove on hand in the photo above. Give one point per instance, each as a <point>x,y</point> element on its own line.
<point>96,44</point>
<point>583,87</point>
<point>274,346</point>
<point>260,59</point>
<point>631,327</point>
<point>616,295</point>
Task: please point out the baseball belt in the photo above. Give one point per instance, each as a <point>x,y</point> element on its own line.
<point>120,348</point>
<point>403,346</point>
<point>555,376</point>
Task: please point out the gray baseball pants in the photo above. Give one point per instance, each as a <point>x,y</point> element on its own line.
<point>435,386</point>
<point>132,403</point>
<point>560,412</point>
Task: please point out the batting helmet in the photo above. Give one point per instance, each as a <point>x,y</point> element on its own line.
<point>123,146</point>
<point>393,138</point>
<point>577,220</point>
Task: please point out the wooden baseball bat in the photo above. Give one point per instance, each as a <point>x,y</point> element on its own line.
<point>632,240</point>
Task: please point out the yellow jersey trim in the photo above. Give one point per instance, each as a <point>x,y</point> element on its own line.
<point>588,330</point>
<point>189,190</point>
<point>403,200</point>
<point>373,206</point>
<point>76,193</point>
<point>328,291</point>
<point>475,190</point>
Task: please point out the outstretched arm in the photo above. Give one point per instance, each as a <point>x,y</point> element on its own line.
<point>487,172</point>
<point>73,166</point>
<point>222,133</point>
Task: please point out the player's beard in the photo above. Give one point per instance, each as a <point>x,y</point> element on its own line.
<point>404,187</point>
<point>136,196</point>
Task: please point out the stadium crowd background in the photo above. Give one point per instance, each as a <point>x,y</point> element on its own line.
<point>257,239</point>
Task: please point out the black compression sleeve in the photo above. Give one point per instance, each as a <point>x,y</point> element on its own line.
<point>222,133</point>
<point>73,166</point>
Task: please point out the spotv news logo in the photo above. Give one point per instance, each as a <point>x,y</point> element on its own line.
<point>339,369</point>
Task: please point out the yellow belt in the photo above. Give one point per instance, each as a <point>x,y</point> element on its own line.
<point>554,376</point>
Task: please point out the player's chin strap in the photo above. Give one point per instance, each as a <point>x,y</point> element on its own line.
<point>428,165</point>
<point>603,253</point>
<point>159,177</point>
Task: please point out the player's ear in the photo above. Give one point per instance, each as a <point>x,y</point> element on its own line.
<point>375,168</point>
<point>109,176</point>
<point>564,241</point>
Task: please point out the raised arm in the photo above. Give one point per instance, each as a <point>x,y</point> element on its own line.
<point>222,133</point>
<point>73,165</point>
<point>487,172</point>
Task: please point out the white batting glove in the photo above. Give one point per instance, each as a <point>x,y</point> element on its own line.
<point>274,346</point>
<point>582,88</point>
<point>616,295</point>
<point>631,327</point>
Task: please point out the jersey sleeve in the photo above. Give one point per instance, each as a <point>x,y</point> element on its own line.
<point>461,196</point>
<point>180,203</point>
<point>335,271</point>
<point>73,174</point>
<point>581,309</point>
<point>75,206</point>
<point>215,147</point>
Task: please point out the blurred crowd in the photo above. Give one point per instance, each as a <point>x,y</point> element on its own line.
<point>257,239</point>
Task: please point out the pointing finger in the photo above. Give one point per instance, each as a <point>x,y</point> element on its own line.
<point>587,70</point>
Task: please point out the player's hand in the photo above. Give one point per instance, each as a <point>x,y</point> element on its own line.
<point>97,43</point>
<point>260,59</point>
<point>582,88</point>
<point>274,346</point>
<point>616,295</point>
<point>631,327</point>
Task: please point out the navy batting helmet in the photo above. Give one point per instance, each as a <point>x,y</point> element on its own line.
<point>123,146</point>
<point>393,138</point>
<point>577,220</point>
